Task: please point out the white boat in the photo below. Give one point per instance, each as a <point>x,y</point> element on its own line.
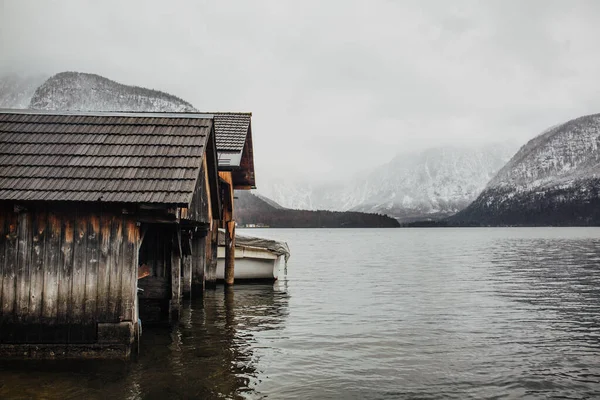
<point>255,258</point>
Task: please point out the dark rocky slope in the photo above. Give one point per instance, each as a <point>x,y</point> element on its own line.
<point>251,209</point>
<point>553,180</point>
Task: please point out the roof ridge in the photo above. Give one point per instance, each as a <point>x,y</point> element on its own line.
<point>249,113</point>
<point>133,114</point>
<point>87,178</point>
<point>101,190</point>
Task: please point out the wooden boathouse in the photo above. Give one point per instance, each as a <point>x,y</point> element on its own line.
<point>89,203</point>
<point>236,172</point>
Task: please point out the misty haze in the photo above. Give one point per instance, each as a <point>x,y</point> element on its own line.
<point>299,200</point>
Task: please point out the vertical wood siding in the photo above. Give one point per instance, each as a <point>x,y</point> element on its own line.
<point>200,206</point>
<point>198,260</point>
<point>66,267</point>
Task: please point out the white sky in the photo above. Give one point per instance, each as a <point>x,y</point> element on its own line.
<point>335,86</point>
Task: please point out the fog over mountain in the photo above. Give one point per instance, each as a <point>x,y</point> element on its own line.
<point>335,87</point>
<point>434,183</point>
<point>17,90</point>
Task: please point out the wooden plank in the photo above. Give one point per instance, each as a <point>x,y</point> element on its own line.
<point>207,190</point>
<point>130,266</point>
<point>228,195</point>
<point>208,255</point>
<point>65,276</point>
<point>104,265</point>
<point>114,294</point>
<point>52,268</point>
<point>77,307</point>
<point>24,237</point>
<point>160,252</point>
<point>3,241</point>
<point>10,266</point>
<point>92,253</point>
<point>36,268</point>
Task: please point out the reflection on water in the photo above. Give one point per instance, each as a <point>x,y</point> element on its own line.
<point>209,354</point>
<point>373,314</point>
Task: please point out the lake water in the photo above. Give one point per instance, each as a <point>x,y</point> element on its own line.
<point>373,314</point>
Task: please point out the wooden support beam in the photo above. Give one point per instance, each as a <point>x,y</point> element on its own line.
<point>229,252</point>
<point>229,225</point>
<point>186,263</point>
<point>175,302</point>
<point>243,187</point>
<point>212,245</point>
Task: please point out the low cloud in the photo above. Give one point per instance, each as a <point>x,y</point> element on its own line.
<point>336,86</point>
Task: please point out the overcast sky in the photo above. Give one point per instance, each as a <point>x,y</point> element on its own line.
<point>335,86</point>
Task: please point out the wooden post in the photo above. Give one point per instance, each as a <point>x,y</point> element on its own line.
<point>229,225</point>
<point>186,265</point>
<point>212,245</point>
<point>186,284</point>
<point>175,303</point>
<point>198,263</point>
<point>229,252</point>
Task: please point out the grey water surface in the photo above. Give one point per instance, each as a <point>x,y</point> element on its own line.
<point>372,314</point>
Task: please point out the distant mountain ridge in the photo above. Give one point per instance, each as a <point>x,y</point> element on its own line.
<point>269,202</point>
<point>78,91</point>
<point>432,184</point>
<point>254,210</point>
<point>554,179</point>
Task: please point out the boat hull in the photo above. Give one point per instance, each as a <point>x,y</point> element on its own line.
<point>251,264</point>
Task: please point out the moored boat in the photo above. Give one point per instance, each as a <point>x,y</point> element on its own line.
<point>255,258</point>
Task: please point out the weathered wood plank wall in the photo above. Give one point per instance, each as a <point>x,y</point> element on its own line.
<point>65,267</point>
<point>200,206</point>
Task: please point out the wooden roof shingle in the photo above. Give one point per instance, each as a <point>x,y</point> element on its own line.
<point>231,132</point>
<point>111,157</point>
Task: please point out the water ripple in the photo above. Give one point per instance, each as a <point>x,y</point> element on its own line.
<point>374,314</point>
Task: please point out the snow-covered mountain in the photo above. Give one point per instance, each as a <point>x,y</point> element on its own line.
<point>431,184</point>
<point>296,194</point>
<point>77,91</point>
<point>16,90</point>
<point>553,179</point>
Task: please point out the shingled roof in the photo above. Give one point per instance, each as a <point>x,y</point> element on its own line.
<point>233,134</point>
<point>111,157</point>
<point>231,130</point>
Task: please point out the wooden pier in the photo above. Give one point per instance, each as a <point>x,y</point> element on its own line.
<point>106,220</point>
